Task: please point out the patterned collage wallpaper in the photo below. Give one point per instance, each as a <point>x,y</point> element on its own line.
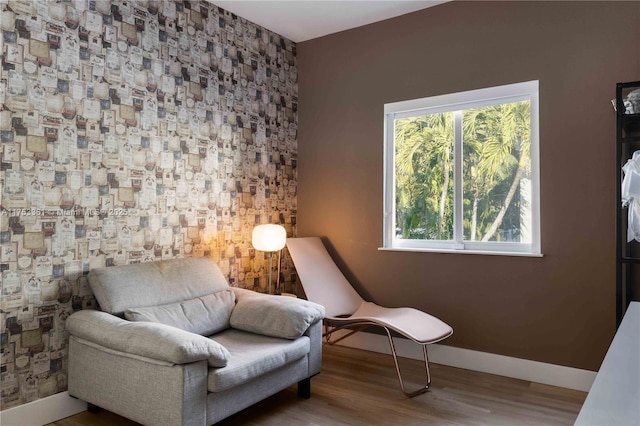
<point>131,131</point>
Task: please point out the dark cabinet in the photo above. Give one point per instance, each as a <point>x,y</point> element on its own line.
<point>627,105</point>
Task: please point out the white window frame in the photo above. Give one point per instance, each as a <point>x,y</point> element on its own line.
<point>456,102</point>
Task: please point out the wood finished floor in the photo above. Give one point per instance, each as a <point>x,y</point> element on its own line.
<point>360,388</point>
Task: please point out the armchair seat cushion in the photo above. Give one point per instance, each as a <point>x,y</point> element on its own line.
<point>252,355</point>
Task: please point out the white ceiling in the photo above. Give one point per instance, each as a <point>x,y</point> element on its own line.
<point>301,20</point>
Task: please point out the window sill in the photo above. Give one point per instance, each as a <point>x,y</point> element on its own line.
<point>452,251</point>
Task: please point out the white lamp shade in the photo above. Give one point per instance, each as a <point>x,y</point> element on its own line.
<point>268,237</point>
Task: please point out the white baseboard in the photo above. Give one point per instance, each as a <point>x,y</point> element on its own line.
<point>42,411</point>
<point>517,368</point>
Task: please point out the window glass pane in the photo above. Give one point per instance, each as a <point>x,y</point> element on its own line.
<point>496,173</point>
<point>424,177</point>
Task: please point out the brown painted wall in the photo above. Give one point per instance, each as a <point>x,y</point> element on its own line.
<point>557,309</point>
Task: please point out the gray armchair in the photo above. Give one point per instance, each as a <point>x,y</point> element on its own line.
<point>175,345</point>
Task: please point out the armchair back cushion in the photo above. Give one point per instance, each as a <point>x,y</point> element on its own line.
<point>204,315</point>
<point>155,283</point>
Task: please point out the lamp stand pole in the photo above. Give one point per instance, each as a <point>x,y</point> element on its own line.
<point>270,269</point>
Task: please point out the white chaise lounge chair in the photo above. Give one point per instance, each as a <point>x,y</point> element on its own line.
<point>324,284</point>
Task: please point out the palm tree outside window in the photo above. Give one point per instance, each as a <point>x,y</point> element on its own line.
<point>461,172</point>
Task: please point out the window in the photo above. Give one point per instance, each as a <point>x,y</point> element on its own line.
<point>461,172</point>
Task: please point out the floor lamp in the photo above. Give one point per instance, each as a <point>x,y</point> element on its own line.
<point>269,238</point>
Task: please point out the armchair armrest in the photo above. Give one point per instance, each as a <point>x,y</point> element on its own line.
<point>147,339</point>
<point>275,316</point>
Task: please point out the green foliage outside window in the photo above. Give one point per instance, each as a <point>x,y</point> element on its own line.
<point>495,174</point>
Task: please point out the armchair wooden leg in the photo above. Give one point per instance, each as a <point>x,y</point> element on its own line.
<point>304,388</point>
<point>93,409</point>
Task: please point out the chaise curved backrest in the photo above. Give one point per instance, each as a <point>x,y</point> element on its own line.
<point>321,279</point>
